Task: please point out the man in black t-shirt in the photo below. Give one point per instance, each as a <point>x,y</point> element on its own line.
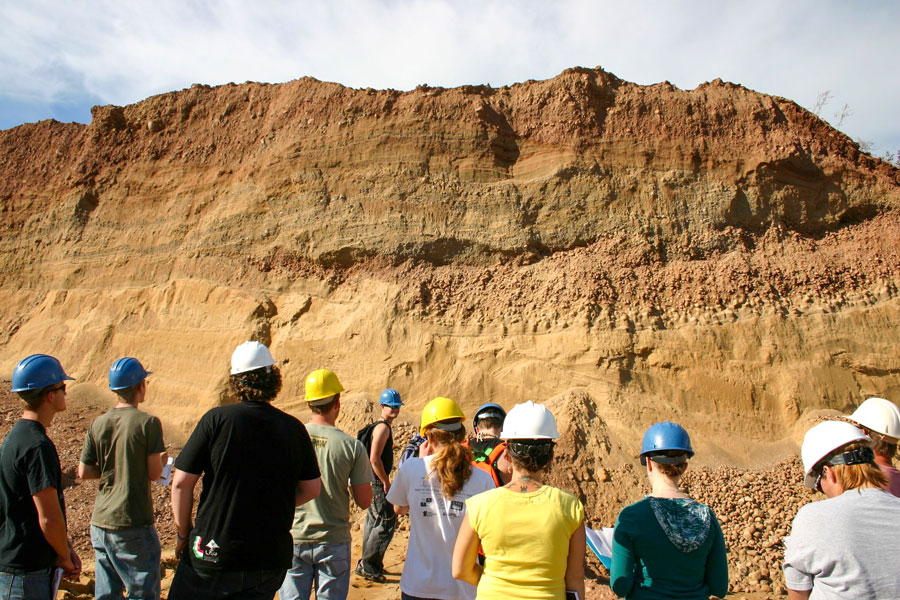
<point>33,538</point>
<point>257,464</point>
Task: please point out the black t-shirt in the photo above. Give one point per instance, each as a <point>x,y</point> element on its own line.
<point>387,453</point>
<point>28,464</point>
<point>252,456</point>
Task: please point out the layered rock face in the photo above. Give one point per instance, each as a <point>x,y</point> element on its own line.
<point>713,256</point>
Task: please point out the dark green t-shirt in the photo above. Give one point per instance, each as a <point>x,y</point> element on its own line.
<point>119,443</point>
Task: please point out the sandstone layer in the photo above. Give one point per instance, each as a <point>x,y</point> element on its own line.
<point>714,256</point>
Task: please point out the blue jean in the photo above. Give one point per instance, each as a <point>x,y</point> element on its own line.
<point>327,566</point>
<point>33,585</point>
<point>378,531</point>
<point>126,563</point>
<point>215,584</point>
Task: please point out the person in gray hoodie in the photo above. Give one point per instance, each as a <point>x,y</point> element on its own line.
<point>668,545</point>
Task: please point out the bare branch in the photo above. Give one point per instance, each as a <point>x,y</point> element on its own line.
<point>821,100</point>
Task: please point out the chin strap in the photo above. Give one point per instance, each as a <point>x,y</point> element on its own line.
<point>857,456</point>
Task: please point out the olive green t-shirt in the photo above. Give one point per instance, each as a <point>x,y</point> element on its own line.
<point>342,460</point>
<point>119,443</point>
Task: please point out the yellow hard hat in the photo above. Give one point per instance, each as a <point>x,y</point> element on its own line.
<point>321,384</point>
<point>440,409</point>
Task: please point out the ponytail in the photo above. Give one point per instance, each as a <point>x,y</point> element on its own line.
<point>452,463</point>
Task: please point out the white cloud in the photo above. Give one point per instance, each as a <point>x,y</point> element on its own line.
<point>121,52</point>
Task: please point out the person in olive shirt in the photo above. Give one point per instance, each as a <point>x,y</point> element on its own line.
<point>33,537</point>
<point>321,528</point>
<point>124,449</point>
<point>258,464</point>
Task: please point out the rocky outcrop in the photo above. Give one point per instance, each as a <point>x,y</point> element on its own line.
<point>713,255</point>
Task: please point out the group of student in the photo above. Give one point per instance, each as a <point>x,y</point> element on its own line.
<point>274,510</point>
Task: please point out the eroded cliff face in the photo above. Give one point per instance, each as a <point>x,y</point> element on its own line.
<point>715,256</point>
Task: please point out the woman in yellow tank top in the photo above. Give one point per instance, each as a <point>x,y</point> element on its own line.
<point>532,534</point>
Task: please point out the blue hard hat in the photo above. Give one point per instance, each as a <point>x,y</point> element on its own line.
<point>666,436</point>
<point>490,410</point>
<point>125,373</point>
<point>390,397</point>
<point>37,371</point>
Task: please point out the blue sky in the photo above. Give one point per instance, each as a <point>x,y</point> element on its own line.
<point>60,57</point>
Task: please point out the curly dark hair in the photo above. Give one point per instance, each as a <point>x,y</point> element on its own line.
<point>258,385</point>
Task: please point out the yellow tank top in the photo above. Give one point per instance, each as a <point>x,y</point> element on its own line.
<point>525,538</point>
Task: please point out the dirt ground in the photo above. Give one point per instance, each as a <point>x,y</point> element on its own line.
<point>755,508</point>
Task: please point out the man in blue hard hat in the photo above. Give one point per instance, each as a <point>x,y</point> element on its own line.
<point>33,537</point>
<point>124,449</point>
<point>381,521</point>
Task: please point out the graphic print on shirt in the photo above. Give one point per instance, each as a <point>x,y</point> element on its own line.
<point>426,504</point>
<point>211,554</point>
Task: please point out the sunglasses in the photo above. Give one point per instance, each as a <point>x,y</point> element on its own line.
<point>60,387</point>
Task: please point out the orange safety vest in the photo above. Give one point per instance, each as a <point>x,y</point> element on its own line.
<point>489,465</point>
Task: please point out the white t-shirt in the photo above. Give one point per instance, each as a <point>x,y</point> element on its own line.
<point>434,523</point>
<point>843,548</point>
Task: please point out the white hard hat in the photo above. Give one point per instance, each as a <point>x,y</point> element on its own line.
<point>249,356</point>
<point>529,421</point>
<point>824,439</point>
<point>879,415</point>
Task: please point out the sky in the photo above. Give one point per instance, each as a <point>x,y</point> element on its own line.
<point>60,57</point>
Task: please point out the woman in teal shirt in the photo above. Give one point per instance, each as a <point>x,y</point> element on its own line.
<point>668,545</point>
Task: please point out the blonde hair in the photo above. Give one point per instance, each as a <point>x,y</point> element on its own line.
<point>452,462</point>
<point>851,477</point>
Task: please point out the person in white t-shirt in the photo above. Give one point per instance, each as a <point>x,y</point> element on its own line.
<point>433,491</point>
<point>842,548</point>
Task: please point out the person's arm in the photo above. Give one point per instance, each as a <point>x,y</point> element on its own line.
<point>88,467</point>
<point>88,471</point>
<point>362,494</point>
<point>379,439</point>
<point>156,446</point>
<point>799,552</point>
<point>717,563</point>
<point>76,561</point>
<point>53,526</point>
<point>621,571</point>
<point>397,495</point>
<point>575,561</point>
<point>155,464</point>
<point>465,565</point>
<point>307,489</point>
<point>183,484</point>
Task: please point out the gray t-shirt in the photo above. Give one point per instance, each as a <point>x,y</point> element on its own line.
<point>342,459</point>
<point>843,548</point>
